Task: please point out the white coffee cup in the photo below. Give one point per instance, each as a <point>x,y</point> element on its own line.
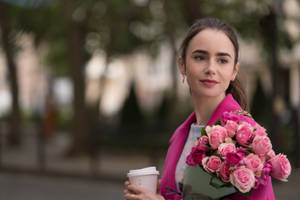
<point>145,178</point>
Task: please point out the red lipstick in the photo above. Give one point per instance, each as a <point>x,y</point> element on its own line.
<point>208,82</point>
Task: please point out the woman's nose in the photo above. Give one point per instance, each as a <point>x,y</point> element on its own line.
<point>210,67</point>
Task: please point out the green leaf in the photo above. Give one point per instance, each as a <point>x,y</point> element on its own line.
<point>173,191</point>
<point>219,122</point>
<point>203,132</point>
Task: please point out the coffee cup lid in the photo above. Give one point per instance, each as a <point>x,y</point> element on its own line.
<point>143,171</point>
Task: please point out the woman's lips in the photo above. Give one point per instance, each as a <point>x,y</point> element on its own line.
<point>208,83</point>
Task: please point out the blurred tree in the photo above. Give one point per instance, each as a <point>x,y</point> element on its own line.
<point>271,35</point>
<point>8,36</point>
<point>260,106</point>
<point>76,16</point>
<point>193,10</point>
<point>29,18</point>
<point>117,27</point>
<point>66,38</point>
<point>174,22</point>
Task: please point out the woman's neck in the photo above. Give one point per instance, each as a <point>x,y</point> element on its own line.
<point>204,107</point>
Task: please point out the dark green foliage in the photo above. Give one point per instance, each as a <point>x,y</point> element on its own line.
<point>56,57</point>
<point>261,106</point>
<point>131,117</point>
<point>163,112</point>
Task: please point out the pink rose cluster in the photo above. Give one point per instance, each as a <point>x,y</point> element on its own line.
<point>239,152</point>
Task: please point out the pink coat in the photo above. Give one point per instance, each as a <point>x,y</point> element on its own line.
<point>177,143</point>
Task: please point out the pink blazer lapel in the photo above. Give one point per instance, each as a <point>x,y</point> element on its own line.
<point>228,104</point>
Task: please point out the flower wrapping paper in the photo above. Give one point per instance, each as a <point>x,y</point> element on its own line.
<point>196,186</point>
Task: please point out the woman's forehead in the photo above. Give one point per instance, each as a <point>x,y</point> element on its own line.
<point>212,41</point>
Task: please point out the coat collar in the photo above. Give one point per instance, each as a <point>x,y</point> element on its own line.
<point>228,104</point>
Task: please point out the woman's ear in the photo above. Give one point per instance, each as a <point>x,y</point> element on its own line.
<point>181,66</point>
<point>235,71</point>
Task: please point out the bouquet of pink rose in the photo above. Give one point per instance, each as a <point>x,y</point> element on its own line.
<point>238,151</point>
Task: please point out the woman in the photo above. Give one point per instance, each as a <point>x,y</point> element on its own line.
<point>209,62</point>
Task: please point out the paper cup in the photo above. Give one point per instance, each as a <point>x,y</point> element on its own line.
<point>145,178</point>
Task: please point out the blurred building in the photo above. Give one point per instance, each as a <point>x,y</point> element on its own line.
<point>31,76</point>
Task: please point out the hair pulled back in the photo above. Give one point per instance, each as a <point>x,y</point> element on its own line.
<point>235,87</point>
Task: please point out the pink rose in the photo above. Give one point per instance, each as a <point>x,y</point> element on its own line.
<point>262,158</point>
<point>203,141</point>
<point>262,180</point>
<point>225,148</point>
<point>196,156</point>
<point>231,128</point>
<point>261,145</point>
<point>236,117</point>
<point>242,152</point>
<point>254,163</point>
<point>270,154</point>
<point>267,168</point>
<point>281,167</point>
<point>243,179</point>
<point>233,158</point>
<point>224,172</point>
<point>228,140</point>
<point>211,164</point>
<point>259,130</point>
<point>244,134</point>
<point>216,136</point>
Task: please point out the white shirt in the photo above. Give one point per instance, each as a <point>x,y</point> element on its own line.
<point>194,134</point>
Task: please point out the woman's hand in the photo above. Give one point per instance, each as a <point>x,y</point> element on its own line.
<point>133,192</point>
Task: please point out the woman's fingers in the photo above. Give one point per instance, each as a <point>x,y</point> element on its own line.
<point>129,196</point>
<point>126,191</point>
<point>134,192</point>
<point>135,189</point>
<point>126,183</point>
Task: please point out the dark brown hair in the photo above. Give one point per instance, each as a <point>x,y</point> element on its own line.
<point>235,87</point>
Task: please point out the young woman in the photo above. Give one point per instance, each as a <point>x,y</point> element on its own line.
<point>209,63</point>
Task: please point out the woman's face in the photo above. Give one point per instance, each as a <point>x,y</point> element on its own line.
<point>209,64</point>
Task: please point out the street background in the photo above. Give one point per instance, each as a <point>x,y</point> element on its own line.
<point>90,89</point>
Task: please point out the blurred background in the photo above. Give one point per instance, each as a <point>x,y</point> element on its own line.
<point>90,89</point>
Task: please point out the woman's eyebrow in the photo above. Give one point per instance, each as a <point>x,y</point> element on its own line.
<point>206,53</point>
<point>223,54</point>
<point>200,51</point>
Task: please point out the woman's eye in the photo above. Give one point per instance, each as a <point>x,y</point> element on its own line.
<point>223,61</point>
<point>199,57</point>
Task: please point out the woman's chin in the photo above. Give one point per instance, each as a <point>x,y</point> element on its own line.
<point>209,94</point>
